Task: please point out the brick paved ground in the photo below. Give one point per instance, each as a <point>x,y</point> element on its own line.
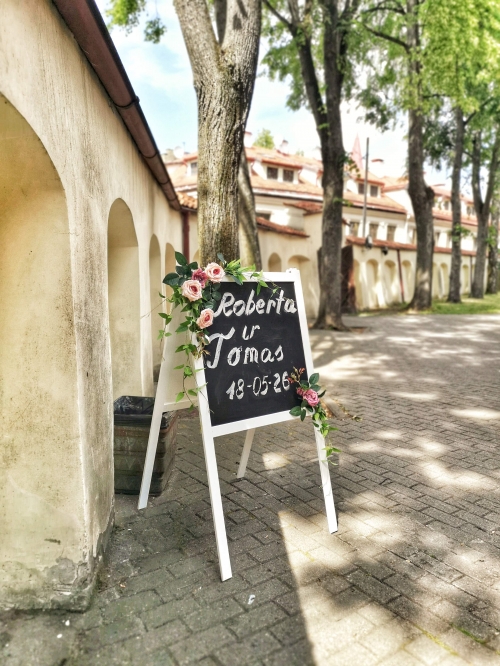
<point>413,575</point>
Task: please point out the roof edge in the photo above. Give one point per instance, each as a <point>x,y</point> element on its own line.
<point>84,20</point>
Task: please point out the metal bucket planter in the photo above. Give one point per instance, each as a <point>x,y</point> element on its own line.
<point>132,419</point>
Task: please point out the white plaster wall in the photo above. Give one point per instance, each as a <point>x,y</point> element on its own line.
<point>46,78</point>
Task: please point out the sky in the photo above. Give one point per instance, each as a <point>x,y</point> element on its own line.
<point>162,79</point>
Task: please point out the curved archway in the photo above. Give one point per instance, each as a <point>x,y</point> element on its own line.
<point>373,284</point>
<point>155,288</point>
<point>169,265</point>
<point>390,283</point>
<point>41,478</point>
<point>465,279</point>
<point>274,263</point>
<point>124,301</point>
<point>309,281</point>
<point>408,280</point>
<point>444,280</point>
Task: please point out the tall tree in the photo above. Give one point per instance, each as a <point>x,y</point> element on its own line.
<point>492,285</point>
<point>429,50</point>
<point>485,157</point>
<point>309,43</point>
<point>224,68</point>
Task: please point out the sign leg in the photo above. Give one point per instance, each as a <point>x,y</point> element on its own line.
<point>216,501</point>
<point>326,483</point>
<point>245,453</point>
<point>153,438</point>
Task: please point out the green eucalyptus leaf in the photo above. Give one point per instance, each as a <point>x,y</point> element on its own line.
<point>295,411</point>
<point>313,379</point>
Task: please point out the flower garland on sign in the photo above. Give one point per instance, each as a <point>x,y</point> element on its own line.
<point>310,392</point>
<point>196,290</point>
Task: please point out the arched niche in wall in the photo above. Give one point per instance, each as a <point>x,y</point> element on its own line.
<point>408,280</point>
<point>435,281</point>
<point>274,263</point>
<point>155,288</point>
<point>390,283</point>
<point>373,283</point>
<point>444,282</point>
<point>357,285</point>
<point>169,265</point>
<point>465,279</point>
<point>41,477</point>
<point>124,301</point>
<point>310,285</point>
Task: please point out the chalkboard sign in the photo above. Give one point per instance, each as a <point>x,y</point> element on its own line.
<point>255,342</point>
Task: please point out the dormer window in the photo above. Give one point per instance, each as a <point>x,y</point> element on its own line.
<point>288,175</point>
<point>361,188</point>
<point>373,190</point>
<point>194,168</point>
<point>272,173</point>
<point>447,205</point>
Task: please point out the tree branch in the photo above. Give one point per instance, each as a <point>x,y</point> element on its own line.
<point>199,37</point>
<point>389,38</point>
<point>279,16</point>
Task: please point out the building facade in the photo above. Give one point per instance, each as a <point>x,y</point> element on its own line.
<point>289,200</point>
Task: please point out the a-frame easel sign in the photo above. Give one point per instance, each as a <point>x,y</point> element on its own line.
<point>255,342</point>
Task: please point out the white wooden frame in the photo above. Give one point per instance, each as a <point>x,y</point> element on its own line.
<point>165,401</point>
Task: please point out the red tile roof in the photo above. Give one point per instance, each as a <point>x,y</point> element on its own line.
<point>187,201</point>
<point>392,245</point>
<point>375,203</point>
<point>266,225</point>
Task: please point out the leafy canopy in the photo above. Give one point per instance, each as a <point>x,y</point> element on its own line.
<point>264,139</point>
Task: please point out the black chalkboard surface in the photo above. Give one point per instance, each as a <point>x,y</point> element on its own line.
<point>255,342</point>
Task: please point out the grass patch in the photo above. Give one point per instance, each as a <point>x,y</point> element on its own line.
<point>490,304</point>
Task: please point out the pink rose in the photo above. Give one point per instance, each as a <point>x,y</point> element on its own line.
<point>205,319</point>
<point>300,391</point>
<point>311,397</point>
<point>200,275</point>
<point>214,272</point>
<point>191,289</point>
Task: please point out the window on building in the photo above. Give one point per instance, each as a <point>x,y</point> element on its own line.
<point>373,190</point>
<point>373,230</point>
<point>361,188</point>
<point>288,175</point>
<point>266,216</point>
<point>353,228</point>
<point>469,211</point>
<point>272,173</point>
<point>446,205</point>
<point>436,237</point>
<point>194,168</point>
<point>391,232</point>
<point>413,236</point>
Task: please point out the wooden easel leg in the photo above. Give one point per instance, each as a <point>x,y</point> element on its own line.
<point>245,453</point>
<point>326,483</point>
<point>216,502</point>
<point>153,438</point>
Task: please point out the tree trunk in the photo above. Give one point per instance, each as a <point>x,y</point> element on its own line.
<point>332,153</point>
<point>248,234</point>
<point>456,225</point>
<point>482,208</point>
<point>422,198</point>
<point>492,286</point>
<point>224,76</point>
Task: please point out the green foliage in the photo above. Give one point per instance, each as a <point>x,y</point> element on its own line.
<point>264,139</point>
<point>126,14</point>
<point>316,411</point>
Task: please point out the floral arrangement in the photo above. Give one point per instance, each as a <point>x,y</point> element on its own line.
<point>310,392</point>
<point>196,290</point>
